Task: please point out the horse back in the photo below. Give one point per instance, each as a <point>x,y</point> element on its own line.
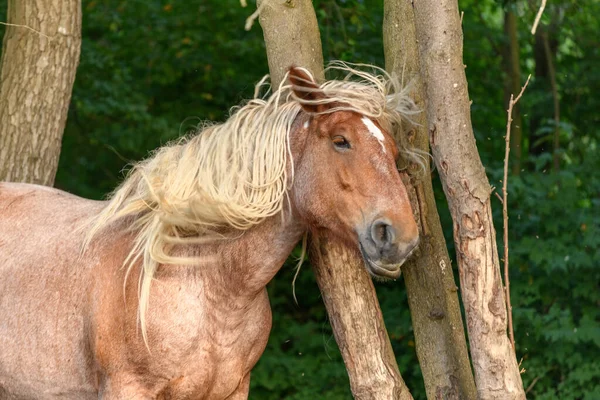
<point>44,351</point>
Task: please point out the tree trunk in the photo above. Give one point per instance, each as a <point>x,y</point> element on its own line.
<point>555,101</point>
<point>39,60</point>
<point>292,38</point>
<point>468,191</point>
<point>545,39</point>
<point>432,292</point>
<point>357,322</point>
<point>513,86</point>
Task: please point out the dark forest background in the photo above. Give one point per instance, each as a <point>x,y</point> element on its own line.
<point>152,69</point>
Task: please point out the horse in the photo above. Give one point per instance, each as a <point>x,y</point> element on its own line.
<point>159,292</point>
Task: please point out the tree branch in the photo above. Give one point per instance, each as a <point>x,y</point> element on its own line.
<point>26,27</point>
<point>538,17</point>
<point>511,104</point>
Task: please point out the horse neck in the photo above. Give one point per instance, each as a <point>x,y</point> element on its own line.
<point>251,259</point>
<point>245,263</point>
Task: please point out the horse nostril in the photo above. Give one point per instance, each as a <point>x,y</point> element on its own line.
<point>382,233</point>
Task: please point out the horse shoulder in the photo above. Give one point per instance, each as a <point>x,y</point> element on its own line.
<point>201,344</point>
<point>43,292</point>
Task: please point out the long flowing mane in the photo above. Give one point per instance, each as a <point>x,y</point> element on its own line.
<point>233,174</point>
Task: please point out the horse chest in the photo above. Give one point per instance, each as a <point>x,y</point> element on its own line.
<point>201,345</point>
<point>232,337</point>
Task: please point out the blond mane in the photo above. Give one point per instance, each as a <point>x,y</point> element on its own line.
<point>234,174</point>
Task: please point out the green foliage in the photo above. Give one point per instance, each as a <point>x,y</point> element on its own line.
<point>554,217</point>
<point>555,280</point>
<point>151,70</point>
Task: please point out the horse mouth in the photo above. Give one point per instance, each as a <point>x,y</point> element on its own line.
<point>379,269</point>
<point>387,271</point>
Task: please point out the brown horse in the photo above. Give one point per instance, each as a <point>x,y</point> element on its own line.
<point>164,297</point>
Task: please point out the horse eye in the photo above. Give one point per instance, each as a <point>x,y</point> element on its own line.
<point>340,142</point>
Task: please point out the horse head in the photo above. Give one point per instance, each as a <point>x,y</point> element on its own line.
<point>346,181</point>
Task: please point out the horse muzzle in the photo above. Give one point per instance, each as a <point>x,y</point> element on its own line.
<point>385,248</point>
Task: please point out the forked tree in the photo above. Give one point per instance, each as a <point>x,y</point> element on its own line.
<point>432,292</point>
<point>40,55</point>
<point>424,43</point>
<point>440,42</point>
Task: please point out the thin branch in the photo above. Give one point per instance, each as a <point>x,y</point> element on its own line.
<point>26,27</point>
<point>538,17</point>
<point>499,197</point>
<point>511,104</point>
<point>533,382</point>
<point>250,20</point>
<point>522,90</point>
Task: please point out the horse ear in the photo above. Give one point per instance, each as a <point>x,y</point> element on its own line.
<point>307,90</point>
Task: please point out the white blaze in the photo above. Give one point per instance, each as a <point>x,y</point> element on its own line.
<point>305,124</point>
<point>375,131</point>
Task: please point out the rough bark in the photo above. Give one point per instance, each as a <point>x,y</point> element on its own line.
<point>292,35</point>
<point>468,191</point>
<point>292,38</point>
<point>513,86</point>
<point>38,71</point>
<point>432,292</point>
<point>357,322</point>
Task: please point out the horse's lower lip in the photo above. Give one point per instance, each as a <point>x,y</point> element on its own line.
<point>390,271</point>
<point>386,271</point>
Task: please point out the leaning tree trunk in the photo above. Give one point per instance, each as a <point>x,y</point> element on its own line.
<point>357,322</point>
<point>39,58</point>
<point>468,191</point>
<point>432,292</point>
<point>292,38</point>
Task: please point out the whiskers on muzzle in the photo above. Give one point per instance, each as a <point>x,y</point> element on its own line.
<point>383,252</point>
